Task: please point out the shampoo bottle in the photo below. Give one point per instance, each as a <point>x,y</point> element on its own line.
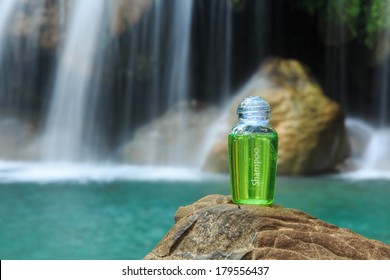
<point>253,153</point>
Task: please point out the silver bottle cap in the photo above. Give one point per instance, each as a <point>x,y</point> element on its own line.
<point>254,109</point>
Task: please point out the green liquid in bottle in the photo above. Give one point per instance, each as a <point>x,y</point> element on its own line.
<point>253,153</point>
<point>253,160</point>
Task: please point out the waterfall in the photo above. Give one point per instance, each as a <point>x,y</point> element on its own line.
<point>377,154</point>
<point>6,10</point>
<point>158,77</point>
<point>384,75</point>
<point>370,150</point>
<point>219,46</point>
<point>70,128</point>
<point>177,69</point>
<point>20,34</point>
<point>369,142</point>
<point>335,38</point>
<point>119,66</point>
<point>159,64</point>
<point>19,54</point>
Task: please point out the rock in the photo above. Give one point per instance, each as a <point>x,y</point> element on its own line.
<point>39,21</point>
<point>214,228</point>
<point>126,13</point>
<point>47,21</point>
<point>175,138</point>
<point>17,139</point>
<point>312,135</point>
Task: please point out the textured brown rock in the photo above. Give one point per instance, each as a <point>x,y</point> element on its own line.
<point>38,20</point>
<point>173,138</point>
<point>126,13</point>
<point>312,135</point>
<point>41,20</point>
<point>214,228</point>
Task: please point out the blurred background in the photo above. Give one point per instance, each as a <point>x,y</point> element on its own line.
<point>114,113</point>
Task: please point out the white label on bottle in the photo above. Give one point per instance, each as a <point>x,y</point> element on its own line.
<point>256,167</point>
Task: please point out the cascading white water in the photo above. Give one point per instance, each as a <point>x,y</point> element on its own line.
<point>160,44</point>
<point>178,77</point>
<point>377,153</point>
<point>69,121</point>
<point>7,8</point>
<point>6,11</point>
<point>19,42</point>
<point>183,147</point>
<point>20,30</point>
<point>161,38</point>
<point>370,149</point>
<point>336,65</point>
<point>384,76</point>
<point>374,160</point>
<point>160,48</point>
<point>219,47</point>
<point>370,155</point>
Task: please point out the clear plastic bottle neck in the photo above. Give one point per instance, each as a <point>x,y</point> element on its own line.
<point>254,110</point>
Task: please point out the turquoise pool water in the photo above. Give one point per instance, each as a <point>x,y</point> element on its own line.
<point>122,219</point>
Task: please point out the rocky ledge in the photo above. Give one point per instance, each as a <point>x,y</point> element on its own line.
<point>214,228</point>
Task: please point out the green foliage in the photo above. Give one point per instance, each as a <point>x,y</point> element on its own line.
<point>312,7</point>
<point>377,20</point>
<point>364,19</point>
